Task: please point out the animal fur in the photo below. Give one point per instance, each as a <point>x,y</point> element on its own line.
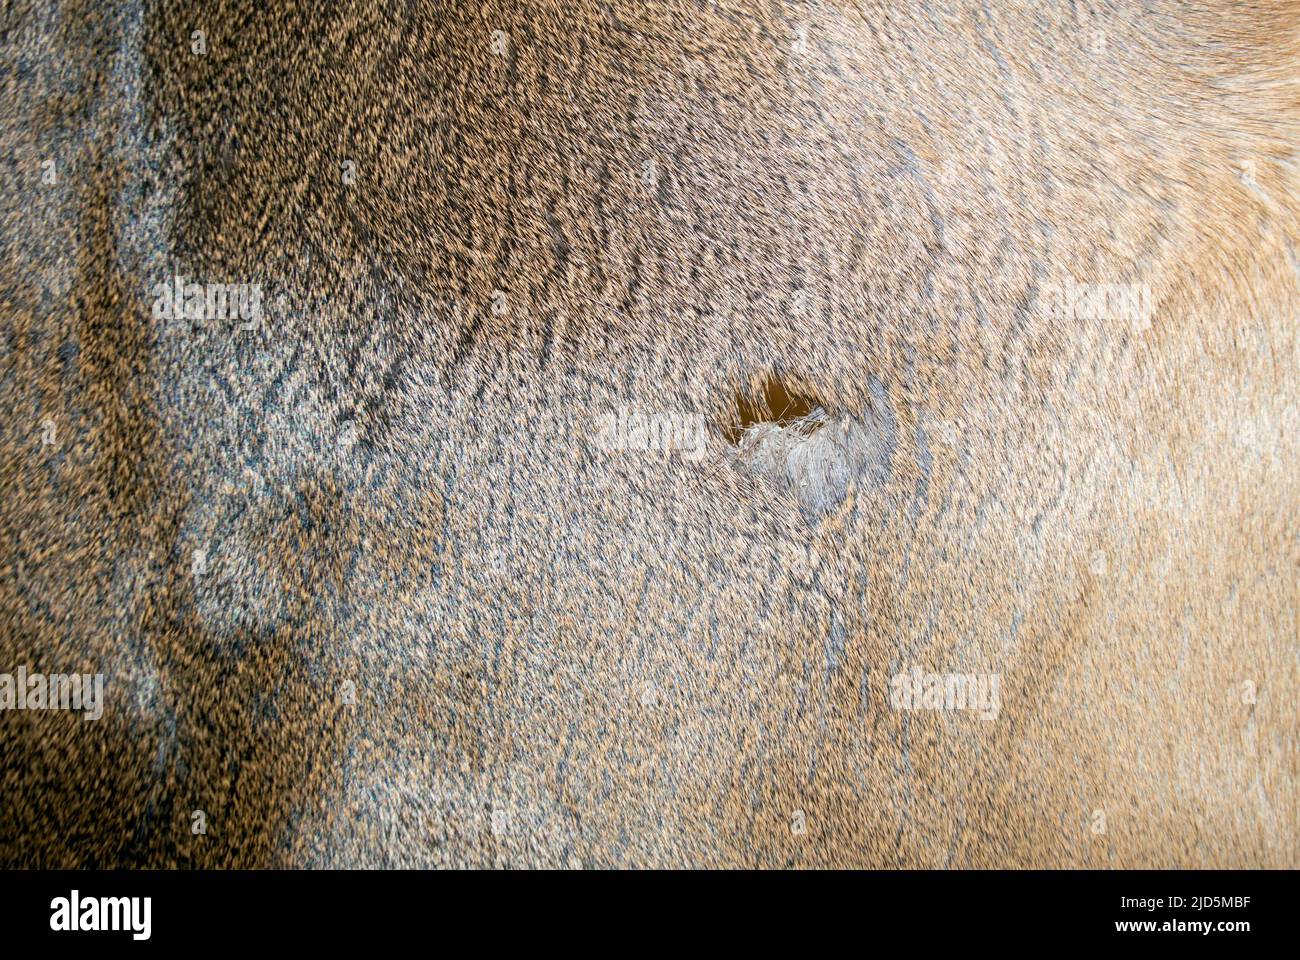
<point>364,591</point>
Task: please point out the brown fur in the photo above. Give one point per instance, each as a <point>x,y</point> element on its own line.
<point>639,658</point>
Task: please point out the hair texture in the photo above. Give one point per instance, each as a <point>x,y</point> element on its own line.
<point>365,591</point>
<point>815,458</point>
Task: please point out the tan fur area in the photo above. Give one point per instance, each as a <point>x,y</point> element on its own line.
<point>565,654</point>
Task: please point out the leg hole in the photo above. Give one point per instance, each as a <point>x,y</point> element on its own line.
<point>778,402</point>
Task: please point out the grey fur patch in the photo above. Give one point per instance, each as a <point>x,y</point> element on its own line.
<point>818,456</point>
